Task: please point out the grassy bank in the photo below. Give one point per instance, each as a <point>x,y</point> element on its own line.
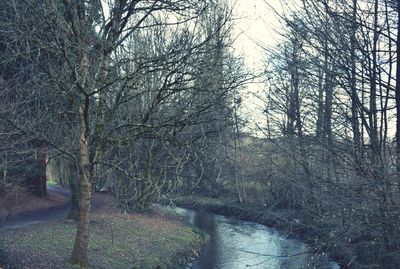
<point>297,224</point>
<point>117,240</point>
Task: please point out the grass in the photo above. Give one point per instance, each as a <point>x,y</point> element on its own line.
<point>51,182</point>
<point>117,240</point>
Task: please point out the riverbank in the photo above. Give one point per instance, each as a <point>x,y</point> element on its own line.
<point>117,240</point>
<point>296,224</point>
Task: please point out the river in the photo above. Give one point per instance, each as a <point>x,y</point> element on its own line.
<point>237,244</point>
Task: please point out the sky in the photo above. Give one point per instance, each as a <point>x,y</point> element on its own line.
<point>256,26</point>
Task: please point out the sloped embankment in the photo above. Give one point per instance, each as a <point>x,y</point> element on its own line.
<point>118,240</point>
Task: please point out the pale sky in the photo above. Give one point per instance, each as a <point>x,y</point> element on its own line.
<point>256,24</point>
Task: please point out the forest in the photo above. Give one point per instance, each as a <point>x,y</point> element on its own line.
<point>143,100</point>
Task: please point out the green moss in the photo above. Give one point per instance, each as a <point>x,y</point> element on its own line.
<point>78,265</point>
<point>204,237</point>
<point>51,182</point>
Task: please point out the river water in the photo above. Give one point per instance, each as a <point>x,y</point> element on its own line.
<point>237,244</point>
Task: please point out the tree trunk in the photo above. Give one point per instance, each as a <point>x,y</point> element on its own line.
<point>40,186</point>
<point>353,85</point>
<point>236,142</point>
<point>398,97</point>
<point>372,103</point>
<point>74,210</point>
<point>320,113</point>
<point>328,136</point>
<point>80,250</point>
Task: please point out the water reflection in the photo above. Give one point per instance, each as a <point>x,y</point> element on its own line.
<point>236,244</point>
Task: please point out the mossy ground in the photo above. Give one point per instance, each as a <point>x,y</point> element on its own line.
<point>117,240</point>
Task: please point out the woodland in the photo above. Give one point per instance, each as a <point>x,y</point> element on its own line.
<point>143,99</point>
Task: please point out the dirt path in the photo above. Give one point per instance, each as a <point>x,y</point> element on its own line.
<point>36,216</point>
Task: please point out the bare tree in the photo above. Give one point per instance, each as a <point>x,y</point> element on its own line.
<point>349,108</point>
